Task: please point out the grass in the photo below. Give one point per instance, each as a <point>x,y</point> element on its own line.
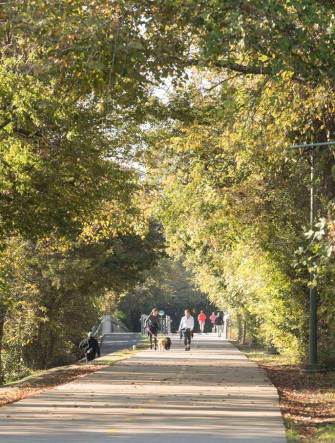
<point>292,433</point>
<point>326,434</point>
<point>117,356</point>
<point>307,400</point>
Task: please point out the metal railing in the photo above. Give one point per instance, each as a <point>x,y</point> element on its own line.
<point>164,324</point>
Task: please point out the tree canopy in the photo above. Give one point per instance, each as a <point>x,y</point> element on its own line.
<point>128,128</point>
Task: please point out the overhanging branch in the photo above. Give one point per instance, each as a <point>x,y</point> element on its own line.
<point>243,69</point>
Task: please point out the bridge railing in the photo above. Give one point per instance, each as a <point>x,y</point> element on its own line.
<point>107,325</point>
<point>164,323</point>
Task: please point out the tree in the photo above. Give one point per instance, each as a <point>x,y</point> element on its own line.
<point>167,286</point>
<point>64,140</point>
<point>229,192</point>
<point>53,292</point>
<point>79,105</point>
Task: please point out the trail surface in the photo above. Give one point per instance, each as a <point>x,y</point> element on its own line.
<point>118,340</point>
<point>212,394</point>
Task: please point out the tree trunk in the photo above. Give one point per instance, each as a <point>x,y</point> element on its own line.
<point>2,323</point>
<point>244,336</point>
<point>239,328</point>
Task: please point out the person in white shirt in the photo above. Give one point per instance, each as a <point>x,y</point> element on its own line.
<point>186,327</point>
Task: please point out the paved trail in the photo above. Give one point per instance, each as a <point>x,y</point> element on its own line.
<point>212,394</point>
<point>118,340</point>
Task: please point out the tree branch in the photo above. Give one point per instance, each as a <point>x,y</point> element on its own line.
<point>4,124</point>
<point>243,69</point>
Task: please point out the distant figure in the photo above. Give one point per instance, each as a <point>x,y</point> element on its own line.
<point>152,326</point>
<point>90,347</point>
<point>212,319</point>
<point>202,321</point>
<point>219,322</point>
<point>186,328</point>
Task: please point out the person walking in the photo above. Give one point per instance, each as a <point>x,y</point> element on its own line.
<point>90,347</point>
<point>151,324</point>
<point>219,322</point>
<point>186,326</point>
<point>202,321</point>
<point>212,319</point>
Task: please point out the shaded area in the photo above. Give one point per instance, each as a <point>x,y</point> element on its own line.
<point>212,393</point>
<point>35,384</point>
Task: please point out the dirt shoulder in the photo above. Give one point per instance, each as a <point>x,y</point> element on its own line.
<point>307,400</point>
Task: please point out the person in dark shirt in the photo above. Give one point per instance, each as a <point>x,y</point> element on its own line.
<point>152,326</point>
<point>90,347</point>
<point>219,323</point>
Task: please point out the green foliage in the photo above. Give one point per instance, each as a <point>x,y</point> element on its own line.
<point>233,199</point>
<point>167,286</point>
<point>119,49</point>
<point>81,99</point>
<point>53,159</point>
<point>325,434</point>
<point>53,291</point>
<point>74,84</point>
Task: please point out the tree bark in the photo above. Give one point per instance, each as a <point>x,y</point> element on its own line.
<point>2,323</point>
<point>239,328</point>
<point>244,336</point>
<point>243,69</point>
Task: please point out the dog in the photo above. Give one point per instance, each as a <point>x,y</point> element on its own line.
<point>164,344</point>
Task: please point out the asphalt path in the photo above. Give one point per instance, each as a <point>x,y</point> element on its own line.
<point>211,394</point>
<point>118,340</point>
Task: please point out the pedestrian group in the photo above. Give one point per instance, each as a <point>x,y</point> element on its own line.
<point>186,326</point>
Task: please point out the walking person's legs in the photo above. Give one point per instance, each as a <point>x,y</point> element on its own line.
<point>189,335</point>
<point>219,329</point>
<point>150,338</point>
<point>153,340</point>
<point>187,339</point>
